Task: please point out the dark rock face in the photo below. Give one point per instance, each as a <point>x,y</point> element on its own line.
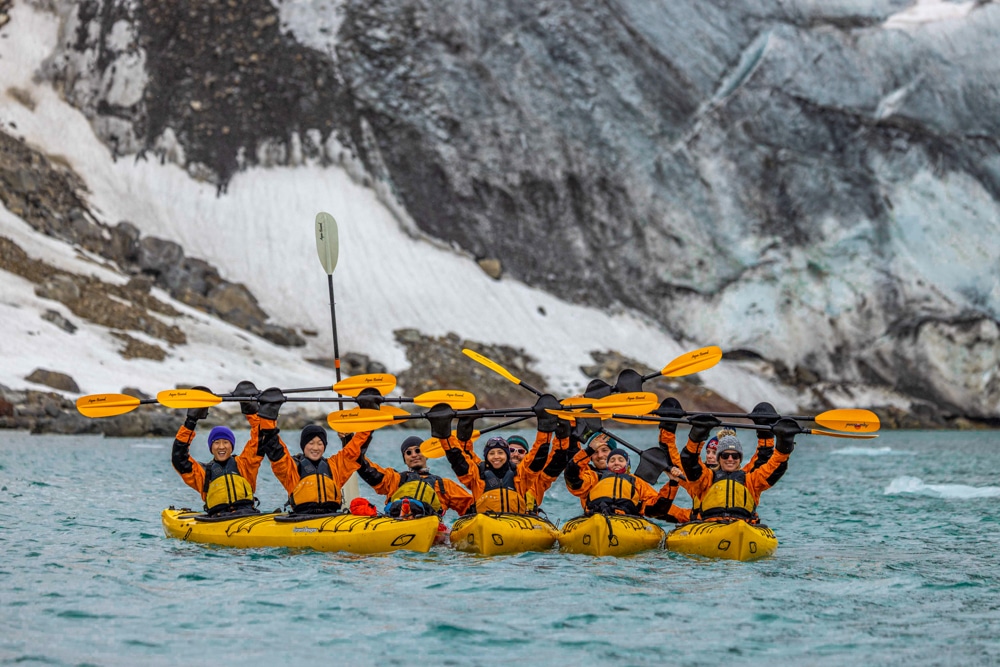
<point>54,379</point>
<point>797,180</point>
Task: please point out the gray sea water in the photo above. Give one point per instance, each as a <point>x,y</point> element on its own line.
<point>889,555</point>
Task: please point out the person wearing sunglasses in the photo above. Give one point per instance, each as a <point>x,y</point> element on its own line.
<point>425,493</point>
<point>731,492</point>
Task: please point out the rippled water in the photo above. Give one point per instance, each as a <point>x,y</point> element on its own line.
<point>889,554</point>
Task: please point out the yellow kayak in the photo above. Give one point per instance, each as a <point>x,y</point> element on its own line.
<point>600,535</point>
<point>736,540</point>
<point>493,534</point>
<point>331,532</point>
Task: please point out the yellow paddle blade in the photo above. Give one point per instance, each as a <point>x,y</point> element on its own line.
<point>431,448</point>
<point>636,402</point>
<point>693,362</point>
<point>492,365</point>
<point>184,399</point>
<point>848,419</point>
<point>353,385</point>
<point>855,436</point>
<point>106,405</point>
<point>362,419</point>
<point>458,400</point>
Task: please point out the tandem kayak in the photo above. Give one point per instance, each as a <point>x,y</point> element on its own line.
<point>327,532</point>
<point>491,534</point>
<point>735,540</point>
<point>614,535</point>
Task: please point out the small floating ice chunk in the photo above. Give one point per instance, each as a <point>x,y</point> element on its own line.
<point>917,487</point>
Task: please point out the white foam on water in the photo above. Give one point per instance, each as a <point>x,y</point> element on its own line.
<point>865,451</point>
<point>916,486</point>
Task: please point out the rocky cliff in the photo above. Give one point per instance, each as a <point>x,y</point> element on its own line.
<point>812,185</point>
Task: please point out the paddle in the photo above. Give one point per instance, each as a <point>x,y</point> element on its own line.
<point>689,363</point>
<point>360,419</point>
<point>194,398</point>
<point>807,431</point>
<point>841,419</point>
<point>109,405</point>
<point>432,449</point>
<point>497,368</point>
<point>328,249</point>
<point>352,386</point>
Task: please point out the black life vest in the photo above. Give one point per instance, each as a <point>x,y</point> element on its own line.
<point>614,493</point>
<point>316,491</point>
<point>225,489</point>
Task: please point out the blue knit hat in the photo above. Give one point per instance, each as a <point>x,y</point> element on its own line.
<point>220,433</point>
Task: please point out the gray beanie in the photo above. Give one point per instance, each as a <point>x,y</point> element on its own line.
<point>730,442</point>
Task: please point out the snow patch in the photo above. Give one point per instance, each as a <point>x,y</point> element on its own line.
<point>312,22</point>
<point>928,11</point>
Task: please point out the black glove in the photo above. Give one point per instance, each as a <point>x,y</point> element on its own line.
<point>669,407</point>
<point>369,398</point>
<point>440,417</point>
<point>785,431</point>
<point>345,438</point>
<point>764,414</point>
<point>269,445</point>
<point>196,414</point>
<point>701,426</point>
<point>584,428</point>
<point>270,403</point>
<point>247,388</point>
<point>547,422</point>
<point>563,429</point>
<point>628,381</point>
<point>466,426</point>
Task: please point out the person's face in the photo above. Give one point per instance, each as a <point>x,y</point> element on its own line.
<point>414,459</point>
<point>496,457</point>
<point>711,457</point>
<point>729,461</point>
<point>517,453</point>
<point>600,456</point>
<point>314,449</point>
<point>617,464</point>
<point>222,449</point>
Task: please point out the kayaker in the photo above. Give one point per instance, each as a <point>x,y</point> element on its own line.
<point>712,453</point>
<point>424,492</point>
<point>313,482</point>
<point>496,484</point>
<point>593,456</point>
<point>617,491</point>
<point>731,492</point>
<point>226,483</point>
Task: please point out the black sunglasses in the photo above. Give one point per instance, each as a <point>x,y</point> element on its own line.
<point>730,455</point>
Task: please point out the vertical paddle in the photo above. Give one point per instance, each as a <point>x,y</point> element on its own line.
<point>328,249</point>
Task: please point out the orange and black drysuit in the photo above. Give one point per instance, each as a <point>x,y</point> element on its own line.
<point>503,490</point>
<point>608,492</point>
<point>542,465</point>
<point>436,494</point>
<point>224,487</point>
<point>718,495</point>
<point>313,487</point>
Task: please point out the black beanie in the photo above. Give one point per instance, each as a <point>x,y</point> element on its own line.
<point>412,441</point>
<point>310,432</point>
